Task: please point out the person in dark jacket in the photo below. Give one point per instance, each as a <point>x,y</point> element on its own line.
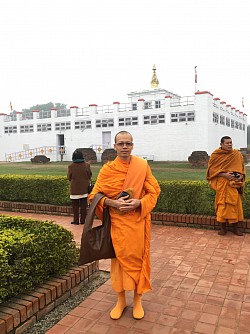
<point>79,175</point>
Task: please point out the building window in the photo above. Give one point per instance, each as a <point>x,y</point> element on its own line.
<point>174,117</point>
<point>227,121</point>
<point>182,117</point>
<point>134,106</point>
<point>243,125</point>
<point>44,127</point>
<point>81,125</point>
<point>153,119</point>
<point>236,125</point>
<point>26,128</point>
<point>215,117</point>
<point>240,126</point>
<point>147,105</point>
<point>126,121</point>
<point>44,114</point>
<point>157,104</point>
<point>232,123</point>
<point>190,116</point>
<point>62,126</point>
<point>104,123</point>
<point>63,113</point>
<point>10,129</point>
<point>222,120</point>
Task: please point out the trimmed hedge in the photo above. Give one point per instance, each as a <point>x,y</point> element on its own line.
<point>35,189</point>
<point>193,197</point>
<point>31,251</point>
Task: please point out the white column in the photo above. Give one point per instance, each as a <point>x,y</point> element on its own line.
<point>73,111</point>
<point>116,106</point>
<point>93,109</point>
<point>53,113</point>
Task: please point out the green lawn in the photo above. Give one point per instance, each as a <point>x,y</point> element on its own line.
<point>161,170</point>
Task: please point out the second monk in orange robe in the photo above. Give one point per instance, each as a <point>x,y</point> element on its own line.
<point>226,175</point>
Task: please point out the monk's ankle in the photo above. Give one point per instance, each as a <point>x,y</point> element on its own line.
<point>223,229</point>
<point>138,311</point>
<point>117,311</point>
<point>236,230</point>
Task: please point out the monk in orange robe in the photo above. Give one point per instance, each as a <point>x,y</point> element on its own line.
<point>131,194</point>
<point>226,175</point>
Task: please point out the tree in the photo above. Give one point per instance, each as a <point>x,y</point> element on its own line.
<point>46,107</point>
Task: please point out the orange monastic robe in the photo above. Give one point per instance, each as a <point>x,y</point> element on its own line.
<point>130,231</point>
<point>228,200</point>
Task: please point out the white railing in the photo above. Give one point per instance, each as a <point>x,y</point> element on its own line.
<point>31,153</point>
<point>102,110</point>
<point>99,148</point>
<point>182,101</point>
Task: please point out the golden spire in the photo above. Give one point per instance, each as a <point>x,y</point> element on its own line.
<point>154,81</point>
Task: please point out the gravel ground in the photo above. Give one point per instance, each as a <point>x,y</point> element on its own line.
<point>50,319</point>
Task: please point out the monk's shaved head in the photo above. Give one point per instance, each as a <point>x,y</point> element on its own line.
<point>123,133</point>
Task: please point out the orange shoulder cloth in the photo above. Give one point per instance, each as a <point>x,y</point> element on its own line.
<point>222,161</point>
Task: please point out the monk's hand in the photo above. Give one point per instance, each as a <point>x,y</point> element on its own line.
<point>116,203</point>
<point>130,205</point>
<point>240,178</point>
<point>120,202</point>
<point>228,175</point>
<point>237,177</point>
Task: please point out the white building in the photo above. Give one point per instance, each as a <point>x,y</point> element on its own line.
<point>165,127</point>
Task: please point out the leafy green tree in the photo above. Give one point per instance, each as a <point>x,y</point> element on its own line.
<point>45,107</point>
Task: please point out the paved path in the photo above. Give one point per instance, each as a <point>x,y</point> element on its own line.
<point>201,284</point>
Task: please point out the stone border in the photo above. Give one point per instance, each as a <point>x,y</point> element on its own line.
<point>194,221</point>
<point>64,210</point>
<point>23,310</point>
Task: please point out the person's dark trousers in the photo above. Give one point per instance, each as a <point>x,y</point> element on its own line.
<point>75,207</point>
<point>83,209</point>
<point>82,205</point>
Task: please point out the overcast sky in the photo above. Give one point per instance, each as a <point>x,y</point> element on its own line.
<point>80,52</point>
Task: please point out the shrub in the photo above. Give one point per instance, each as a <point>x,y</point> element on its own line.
<point>32,251</point>
<point>35,189</point>
<point>186,197</point>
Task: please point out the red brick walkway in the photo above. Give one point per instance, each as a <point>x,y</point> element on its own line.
<point>201,284</point>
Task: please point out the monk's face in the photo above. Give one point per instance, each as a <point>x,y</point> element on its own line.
<point>124,146</point>
<point>227,145</point>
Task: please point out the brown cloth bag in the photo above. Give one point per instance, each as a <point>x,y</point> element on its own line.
<point>96,242</point>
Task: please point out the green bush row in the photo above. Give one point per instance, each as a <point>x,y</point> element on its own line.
<point>176,196</point>
<point>35,189</point>
<point>194,197</point>
<point>31,251</point>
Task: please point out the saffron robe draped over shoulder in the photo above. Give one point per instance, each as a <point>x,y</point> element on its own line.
<point>130,231</point>
<point>228,200</point>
